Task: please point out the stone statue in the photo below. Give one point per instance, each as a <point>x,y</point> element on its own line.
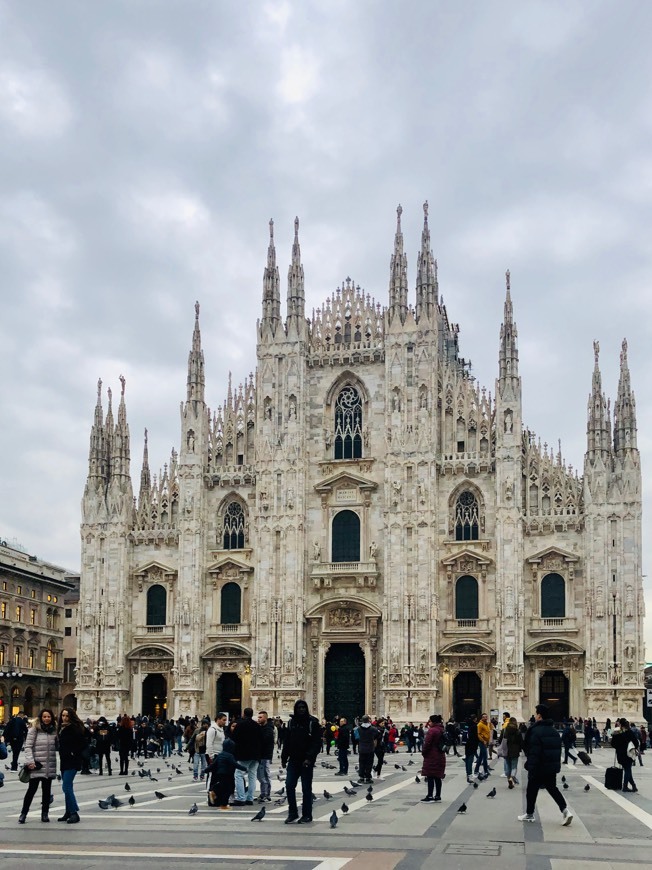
<point>509,421</point>
<point>394,659</point>
<point>373,551</point>
<point>316,551</point>
<point>190,440</point>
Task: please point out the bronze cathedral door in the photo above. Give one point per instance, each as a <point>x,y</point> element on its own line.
<point>344,682</point>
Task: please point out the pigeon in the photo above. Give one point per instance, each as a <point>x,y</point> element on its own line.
<point>280,791</point>
<point>403,768</point>
<point>410,762</point>
<point>587,787</point>
<point>51,799</point>
<point>369,796</point>
<point>345,808</point>
<point>563,779</point>
<point>115,803</point>
<point>565,785</point>
<point>370,789</point>
<point>153,779</point>
<point>349,791</point>
<point>333,819</point>
<point>397,766</point>
<point>475,785</point>
<point>127,786</point>
<point>492,793</point>
<point>158,769</point>
<point>132,800</point>
<point>159,795</point>
<point>355,784</point>
<point>314,797</point>
<point>58,777</point>
<point>260,815</point>
<point>417,780</point>
<point>280,802</point>
<point>104,805</point>
<point>462,809</point>
<point>193,810</point>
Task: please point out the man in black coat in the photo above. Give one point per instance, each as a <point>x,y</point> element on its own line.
<point>301,746</point>
<point>15,734</point>
<point>268,738</point>
<point>343,741</point>
<point>247,737</point>
<point>542,748</point>
<point>471,745</point>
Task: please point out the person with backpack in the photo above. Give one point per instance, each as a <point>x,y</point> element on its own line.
<point>198,741</point>
<point>434,758</point>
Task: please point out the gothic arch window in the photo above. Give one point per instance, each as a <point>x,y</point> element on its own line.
<point>466,598</point>
<point>467,516</point>
<point>156,605</point>
<point>348,424</point>
<point>233,527</point>
<point>553,597</point>
<point>345,541</point>
<point>230,604</point>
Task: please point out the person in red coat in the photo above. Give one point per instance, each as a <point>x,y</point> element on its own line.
<point>434,758</point>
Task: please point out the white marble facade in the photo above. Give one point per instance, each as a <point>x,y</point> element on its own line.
<point>368,410</point>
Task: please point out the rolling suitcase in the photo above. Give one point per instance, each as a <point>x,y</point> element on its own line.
<point>613,777</point>
<point>584,757</point>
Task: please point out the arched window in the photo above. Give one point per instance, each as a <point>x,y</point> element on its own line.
<point>3,654</point>
<point>466,598</point>
<point>50,657</point>
<point>553,597</point>
<point>467,517</point>
<point>156,605</point>
<point>233,537</point>
<point>346,537</point>
<point>230,604</point>
<point>348,424</point>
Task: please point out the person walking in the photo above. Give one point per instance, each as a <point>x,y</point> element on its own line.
<point>625,744</point>
<point>73,740</point>
<point>588,736</point>
<point>511,736</point>
<point>366,746</point>
<point>542,748</point>
<point>125,743</point>
<point>434,758</point>
<point>300,749</point>
<point>102,737</point>
<point>41,760</point>
<point>471,746</point>
<point>267,740</point>
<point>453,736</point>
<point>568,738</point>
<point>485,731</point>
<point>381,745</point>
<point>343,741</point>
<point>247,737</point>
<point>15,733</point>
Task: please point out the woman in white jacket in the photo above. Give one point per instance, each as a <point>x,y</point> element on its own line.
<point>41,761</point>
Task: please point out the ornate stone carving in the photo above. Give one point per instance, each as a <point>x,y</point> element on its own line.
<point>344,617</point>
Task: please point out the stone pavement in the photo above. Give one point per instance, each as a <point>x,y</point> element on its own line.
<point>610,830</point>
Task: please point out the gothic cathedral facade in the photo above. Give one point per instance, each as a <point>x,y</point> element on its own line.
<point>363,525</point>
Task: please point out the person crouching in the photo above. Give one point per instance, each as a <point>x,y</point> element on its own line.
<point>221,771</point>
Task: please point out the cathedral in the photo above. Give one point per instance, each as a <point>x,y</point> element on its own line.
<point>362,524</point>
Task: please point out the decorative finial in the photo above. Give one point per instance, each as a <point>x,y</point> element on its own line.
<point>596,352</point>
<point>123,381</point>
<point>508,280</point>
<point>623,353</point>
<point>296,229</point>
<point>425,212</point>
<point>399,212</point>
<point>271,229</point>
<point>99,390</point>
<point>196,310</point>
<point>145,436</point>
<point>109,394</point>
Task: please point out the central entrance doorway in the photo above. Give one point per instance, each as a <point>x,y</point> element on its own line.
<point>344,684</point>
<point>553,692</point>
<point>228,694</point>
<point>467,695</point>
<point>155,696</point>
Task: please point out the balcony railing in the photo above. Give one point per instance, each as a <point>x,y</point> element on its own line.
<point>553,624</point>
<point>148,630</point>
<point>325,574</point>
<point>467,626</point>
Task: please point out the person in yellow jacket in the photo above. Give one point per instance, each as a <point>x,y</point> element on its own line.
<point>484,736</point>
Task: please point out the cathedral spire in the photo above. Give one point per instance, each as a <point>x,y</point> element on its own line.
<point>427,289</point>
<point>145,478</point>
<point>120,448</point>
<point>196,379</point>
<point>398,274</point>
<point>296,308</point>
<point>271,290</point>
<point>598,430</point>
<point>97,450</point>
<point>508,356</point>
<point>624,409</point>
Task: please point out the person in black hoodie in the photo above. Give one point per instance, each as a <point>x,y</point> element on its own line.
<point>300,749</point>
<point>103,738</point>
<point>221,771</point>
<point>247,737</point>
<point>542,749</point>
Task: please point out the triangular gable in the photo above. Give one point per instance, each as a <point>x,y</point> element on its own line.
<point>553,551</point>
<point>225,561</point>
<point>466,555</point>
<point>344,477</point>
<point>152,565</point>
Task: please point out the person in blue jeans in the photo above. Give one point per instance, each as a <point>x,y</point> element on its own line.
<point>73,742</point>
<point>248,739</point>
<point>301,746</point>
<point>343,741</point>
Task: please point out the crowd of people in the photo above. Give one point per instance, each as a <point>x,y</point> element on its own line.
<point>232,757</point>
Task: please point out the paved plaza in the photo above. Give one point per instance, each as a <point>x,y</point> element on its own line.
<point>395,830</point>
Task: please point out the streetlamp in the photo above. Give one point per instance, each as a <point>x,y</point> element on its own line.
<point>12,674</point>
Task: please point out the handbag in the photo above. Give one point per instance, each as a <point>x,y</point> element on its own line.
<point>501,749</point>
<point>632,752</point>
<point>24,774</point>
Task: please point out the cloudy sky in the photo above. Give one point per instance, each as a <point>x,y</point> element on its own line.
<point>144,146</point>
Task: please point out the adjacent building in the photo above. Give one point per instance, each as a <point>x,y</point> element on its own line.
<point>32,596</point>
<point>364,524</point>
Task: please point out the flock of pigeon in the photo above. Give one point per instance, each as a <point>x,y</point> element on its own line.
<point>112,802</point>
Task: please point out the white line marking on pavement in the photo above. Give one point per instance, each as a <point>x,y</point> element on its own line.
<point>364,802</point>
<point>325,863</point>
<point>632,809</point>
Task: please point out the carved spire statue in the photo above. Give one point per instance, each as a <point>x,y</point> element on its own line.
<point>296,307</point>
<point>624,409</point>
<point>398,274</point>
<point>427,289</point>
<point>598,431</point>
<point>271,290</point>
<point>196,379</point>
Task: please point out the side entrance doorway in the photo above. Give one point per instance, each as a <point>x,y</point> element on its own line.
<point>228,695</point>
<point>467,695</point>
<point>344,682</point>
<point>155,696</point>
<point>554,693</point>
